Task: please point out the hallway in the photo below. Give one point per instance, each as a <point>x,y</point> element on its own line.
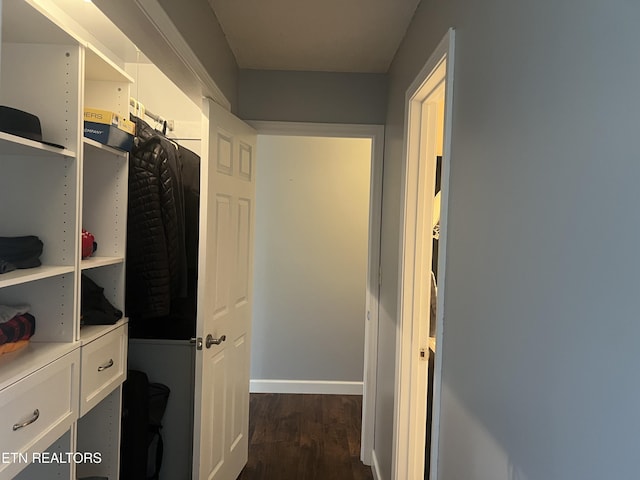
<point>295,437</point>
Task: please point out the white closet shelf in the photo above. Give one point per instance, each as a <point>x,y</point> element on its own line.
<point>432,344</point>
<point>14,145</point>
<point>100,67</point>
<point>95,262</point>
<point>99,146</point>
<point>17,365</point>
<point>50,68</point>
<point>27,275</point>
<point>89,333</point>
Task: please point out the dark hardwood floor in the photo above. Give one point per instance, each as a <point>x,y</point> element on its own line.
<point>310,437</point>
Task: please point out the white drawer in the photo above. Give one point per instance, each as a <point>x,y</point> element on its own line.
<point>37,410</point>
<point>103,367</point>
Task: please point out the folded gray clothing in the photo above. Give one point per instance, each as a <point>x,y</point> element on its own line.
<point>7,312</point>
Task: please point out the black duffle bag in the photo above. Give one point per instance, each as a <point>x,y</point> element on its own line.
<point>135,424</point>
<point>143,407</point>
<point>158,399</point>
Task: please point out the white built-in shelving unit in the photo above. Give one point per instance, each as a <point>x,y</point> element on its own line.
<point>69,379</point>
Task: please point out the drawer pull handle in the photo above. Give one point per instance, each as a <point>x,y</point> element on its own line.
<point>18,426</point>
<point>109,364</point>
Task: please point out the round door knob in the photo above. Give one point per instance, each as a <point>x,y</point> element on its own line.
<point>214,341</point>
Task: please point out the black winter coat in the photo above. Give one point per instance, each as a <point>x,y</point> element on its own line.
<point>156,256</point>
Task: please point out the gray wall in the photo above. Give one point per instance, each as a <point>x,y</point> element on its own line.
<point>323,97</point>
<point>312,216</point>
<point>201,30</point>
<point>540,354</point>
<point>541,327</point>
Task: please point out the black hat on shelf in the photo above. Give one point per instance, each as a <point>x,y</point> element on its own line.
<point>23,124</point>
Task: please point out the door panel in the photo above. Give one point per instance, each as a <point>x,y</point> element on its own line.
<point>225,154</point>
<point>246,161</point>
<point>237,414</point>
<point>216,411</point>
<point>221,410</point>
<point>241,287</point>
<point>222,246</point>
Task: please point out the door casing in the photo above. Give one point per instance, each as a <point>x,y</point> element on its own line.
<point>421,127</point>
<point>376,134</point>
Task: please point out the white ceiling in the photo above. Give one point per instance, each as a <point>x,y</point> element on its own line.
<point>315,35</point>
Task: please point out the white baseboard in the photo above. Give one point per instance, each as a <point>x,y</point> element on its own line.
<point>306,386</point>
<point>375,468</point>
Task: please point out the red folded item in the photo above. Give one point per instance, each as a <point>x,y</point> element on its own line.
<point>20,327</point>
<point>89,244</point>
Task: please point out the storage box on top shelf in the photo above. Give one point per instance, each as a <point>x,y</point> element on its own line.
<point>109,128</point>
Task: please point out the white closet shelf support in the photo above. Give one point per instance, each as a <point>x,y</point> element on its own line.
<point>100,146</point>
<point>89,333</point>
<point>17,365</point>
<point>18,277</point>
<point>95,262</point>
<point>14,145</point>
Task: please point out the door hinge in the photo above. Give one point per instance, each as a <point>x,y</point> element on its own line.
<point>197,342</point>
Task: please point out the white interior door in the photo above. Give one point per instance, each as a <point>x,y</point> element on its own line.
<point>227,211</point>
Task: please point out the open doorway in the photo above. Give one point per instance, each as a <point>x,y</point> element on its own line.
<point>422,259</point>
<point>355,190</point>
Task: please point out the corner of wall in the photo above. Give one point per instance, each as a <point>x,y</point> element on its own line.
<point>375,468</point>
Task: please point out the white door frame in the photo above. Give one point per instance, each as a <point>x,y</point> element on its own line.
<point>376,134</point>
<point>415,249</point>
